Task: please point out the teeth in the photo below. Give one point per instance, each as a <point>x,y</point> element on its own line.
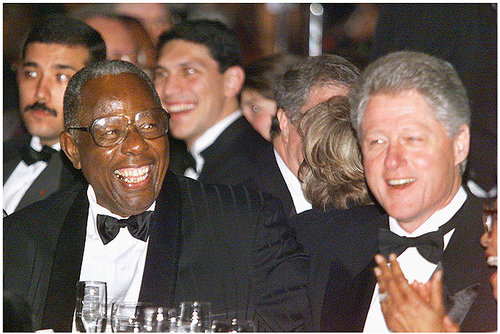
<point>492,261</point>
<point>180,107</point>
<point>133,175</point>
<point>400,182</point>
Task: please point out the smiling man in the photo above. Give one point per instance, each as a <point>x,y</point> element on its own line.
<point>55,49</point>
<point>411,113</point>
<point>199,77</point>
<point>150,235</point>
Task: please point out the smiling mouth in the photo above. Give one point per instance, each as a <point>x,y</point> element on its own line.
<point>133,175</point>
<point>400,182</point>
<point>492,261</point>
<point>180,107</point>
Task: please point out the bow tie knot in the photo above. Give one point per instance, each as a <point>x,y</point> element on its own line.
<point>429,245</point>
<point>31,156</point>
<point>138,226</point>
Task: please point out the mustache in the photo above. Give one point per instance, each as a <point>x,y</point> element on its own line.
<point>42,106</point>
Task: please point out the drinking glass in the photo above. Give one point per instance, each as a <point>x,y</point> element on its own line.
<point>232,326</point>
<point>90,310</point>
<point>134,317</point>
<point>194,317</point>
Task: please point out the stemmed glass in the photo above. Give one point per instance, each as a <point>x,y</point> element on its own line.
<point>90,310</point>
<point>136,317</point>
<point>194,317</point>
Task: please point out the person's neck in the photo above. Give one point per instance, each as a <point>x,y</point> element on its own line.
<point>280,147</point>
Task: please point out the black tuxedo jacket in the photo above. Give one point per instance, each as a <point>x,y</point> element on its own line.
<point>347,298</point>
<point>222,244</point>
<point>231,158</point>
<point>58,174</point>
<point>334,235</point>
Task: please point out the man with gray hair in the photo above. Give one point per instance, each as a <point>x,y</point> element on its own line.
<point>150,235</point>
<point>310,82</point>
<point>411,114</point>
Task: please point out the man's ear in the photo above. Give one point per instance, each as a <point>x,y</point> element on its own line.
<point>461,144</point>
<point>284,123</point>
<point>68,145</point>
<point>234,77</point>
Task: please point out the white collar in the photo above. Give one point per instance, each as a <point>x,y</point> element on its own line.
<point>211,135</point>
<point>437,219</point>
<point>36,144</point>
<point>294,186</point>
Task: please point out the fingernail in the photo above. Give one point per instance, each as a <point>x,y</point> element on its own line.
<point>377,271</point>
<point>392,257</point>
<point>379,259</point>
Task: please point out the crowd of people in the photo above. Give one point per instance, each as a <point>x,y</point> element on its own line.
<point>297,192</point>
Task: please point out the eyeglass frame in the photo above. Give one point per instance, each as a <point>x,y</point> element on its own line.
<point>90,128</point>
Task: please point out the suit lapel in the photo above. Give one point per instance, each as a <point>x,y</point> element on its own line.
<point>12,155</point>
<point>460,289</point>
<point>45,184</point>
<point>160,272</point>
<point>61,293</point>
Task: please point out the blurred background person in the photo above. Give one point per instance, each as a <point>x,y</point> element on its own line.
<point>33,165</point>
<point>258,102</point>
<point>156,18</point>
<point>333,181</point>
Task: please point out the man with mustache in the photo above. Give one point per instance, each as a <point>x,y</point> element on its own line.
<point>55,49</point>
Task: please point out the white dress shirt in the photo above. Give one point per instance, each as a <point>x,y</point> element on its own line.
<point>23,177</point>
<point>414,266</point>
<point>207,139</point>
<point>120,263</point>
<point>293,184</point>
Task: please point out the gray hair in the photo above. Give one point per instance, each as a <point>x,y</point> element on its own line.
<point>73,93</point>
<point>293,89</point>
<point>434,78</point>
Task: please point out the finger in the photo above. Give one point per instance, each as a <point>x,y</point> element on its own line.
<point>449,325</point>
<point>436,291</point>
<point>400,280</point>
<point>386,281</point>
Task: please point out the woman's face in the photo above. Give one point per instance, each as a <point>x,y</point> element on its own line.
<point>259,111</point>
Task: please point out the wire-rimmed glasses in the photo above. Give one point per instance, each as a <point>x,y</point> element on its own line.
<point>111,130</point>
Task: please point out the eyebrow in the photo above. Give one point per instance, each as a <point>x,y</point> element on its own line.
<point>57,66</point>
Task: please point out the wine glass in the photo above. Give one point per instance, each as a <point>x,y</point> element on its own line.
<point>90,310</point>
<point>134,317</point>
<point>194,317</point>
<point>232,326</point>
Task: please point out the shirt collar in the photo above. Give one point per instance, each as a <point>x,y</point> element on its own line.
<point>433,223</point>
<point>36,144</point>
<point>209,136</point>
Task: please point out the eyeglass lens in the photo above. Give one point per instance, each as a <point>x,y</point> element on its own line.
<point>150,124</point>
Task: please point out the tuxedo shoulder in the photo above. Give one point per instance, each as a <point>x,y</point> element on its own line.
<point>46,210</point>
<point>225,194</point>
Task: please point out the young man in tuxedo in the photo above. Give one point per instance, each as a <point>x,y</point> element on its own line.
<point>55,49</point>
<point>184,240</point>
<point>411,113</point>
<point>198,77</point>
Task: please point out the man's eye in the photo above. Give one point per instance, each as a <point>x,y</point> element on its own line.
<point>30,74</point>
<point>376,142</point>
<point>255,108</point>
<point>189,71</point>
<point>159,75</point>
<point>63,77</point>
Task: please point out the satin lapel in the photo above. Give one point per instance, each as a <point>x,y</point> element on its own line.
<point>160,272</point>
<point>61,293</point>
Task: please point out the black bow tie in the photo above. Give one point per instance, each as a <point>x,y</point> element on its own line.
<point>429,245</point>
<point>30,155</point>
<point>138,226</point>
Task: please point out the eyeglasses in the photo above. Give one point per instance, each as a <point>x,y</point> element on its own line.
<point>489,217</point>
<point>111,130</point>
